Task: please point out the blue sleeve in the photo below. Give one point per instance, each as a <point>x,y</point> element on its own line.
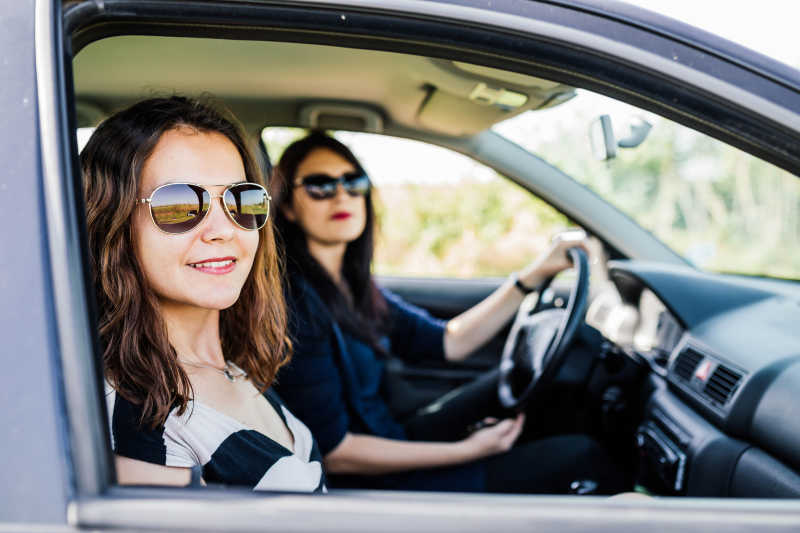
<point>311,384</point>
<point>415,334</point>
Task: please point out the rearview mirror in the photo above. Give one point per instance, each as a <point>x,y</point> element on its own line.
<point>604,142</point>
<point>601,135</point>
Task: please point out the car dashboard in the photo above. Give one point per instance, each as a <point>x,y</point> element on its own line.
<point>724,371</point>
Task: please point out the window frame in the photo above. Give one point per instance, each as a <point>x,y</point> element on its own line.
<point>477,35</point>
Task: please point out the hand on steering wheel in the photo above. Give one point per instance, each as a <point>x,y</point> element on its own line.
<point>538,341</point>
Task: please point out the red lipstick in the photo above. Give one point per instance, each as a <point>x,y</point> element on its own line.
<point>341,215</point>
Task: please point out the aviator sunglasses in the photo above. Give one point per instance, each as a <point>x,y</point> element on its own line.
<point>179,207</point>
<point>320,186</point>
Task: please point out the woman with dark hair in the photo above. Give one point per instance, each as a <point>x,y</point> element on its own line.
<point>192,320</point>
<point>343,327</point>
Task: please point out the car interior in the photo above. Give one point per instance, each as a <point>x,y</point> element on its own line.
<point>691,378</point>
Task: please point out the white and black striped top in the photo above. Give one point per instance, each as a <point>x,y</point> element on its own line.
<point>227,451</point>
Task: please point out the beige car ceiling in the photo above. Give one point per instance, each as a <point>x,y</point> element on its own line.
<point>274,83</point>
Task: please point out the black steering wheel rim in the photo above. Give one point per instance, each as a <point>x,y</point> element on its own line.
<point>535,360</point>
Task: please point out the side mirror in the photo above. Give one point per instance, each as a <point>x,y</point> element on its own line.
<point>604,142</point>
<point>638,129</point>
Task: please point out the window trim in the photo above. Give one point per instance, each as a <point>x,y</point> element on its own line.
<point>348,511</point>
<point>86,426</point>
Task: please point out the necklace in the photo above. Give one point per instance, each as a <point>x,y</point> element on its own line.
<point>231,371</point>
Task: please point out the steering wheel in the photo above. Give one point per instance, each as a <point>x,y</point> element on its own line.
<point>537,344</point>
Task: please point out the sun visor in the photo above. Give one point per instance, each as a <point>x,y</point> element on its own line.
<point>483,106</point>
<point>454,115</point>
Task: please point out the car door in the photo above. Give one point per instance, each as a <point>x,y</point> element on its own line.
<point>610,51</point>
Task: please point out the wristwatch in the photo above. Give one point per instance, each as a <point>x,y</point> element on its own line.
<point>519,285</point>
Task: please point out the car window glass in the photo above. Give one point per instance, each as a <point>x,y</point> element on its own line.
<point>719,207</point>
<point>440,213</point>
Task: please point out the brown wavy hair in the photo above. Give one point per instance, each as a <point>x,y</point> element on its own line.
<point>138,358</point>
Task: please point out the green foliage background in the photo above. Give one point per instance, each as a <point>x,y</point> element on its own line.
<point>723,209</point>
<point>468,229</point>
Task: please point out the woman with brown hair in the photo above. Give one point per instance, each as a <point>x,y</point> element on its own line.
<point>191,315</point>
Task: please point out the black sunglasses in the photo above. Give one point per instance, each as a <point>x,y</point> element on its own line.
<point>180,207</point>
<point>320,186</point>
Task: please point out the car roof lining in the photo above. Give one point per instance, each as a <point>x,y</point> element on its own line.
<point>432,95</point>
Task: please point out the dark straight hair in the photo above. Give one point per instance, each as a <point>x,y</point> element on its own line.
<point>365,316</point>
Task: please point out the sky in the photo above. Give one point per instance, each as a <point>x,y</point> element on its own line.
<point>766,26</point>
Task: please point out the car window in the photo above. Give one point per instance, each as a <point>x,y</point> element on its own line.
<point>719,207</point>
<point>442,214</point>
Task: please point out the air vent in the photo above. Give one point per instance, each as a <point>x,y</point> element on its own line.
<point>686,363</point>
<point>722,384</point>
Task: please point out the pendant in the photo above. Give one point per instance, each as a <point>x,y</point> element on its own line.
<point>232,372</point>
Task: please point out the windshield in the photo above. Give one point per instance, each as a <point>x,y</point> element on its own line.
<point>720,208</point>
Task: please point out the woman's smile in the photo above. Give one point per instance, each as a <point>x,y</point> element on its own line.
<point>341,215</point>
<point>216,265</point>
